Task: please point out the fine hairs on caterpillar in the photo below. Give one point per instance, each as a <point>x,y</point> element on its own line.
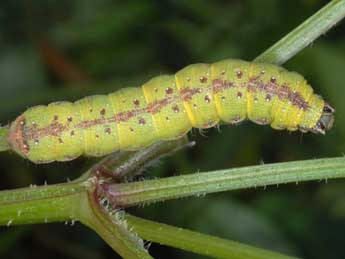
<point>167,107</point>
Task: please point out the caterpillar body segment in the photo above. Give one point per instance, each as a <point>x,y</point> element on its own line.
<point>167,107</point>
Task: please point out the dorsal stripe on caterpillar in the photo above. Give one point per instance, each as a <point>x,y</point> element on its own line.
<point>167,107</point>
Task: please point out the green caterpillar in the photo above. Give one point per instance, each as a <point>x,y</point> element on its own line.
<point>167,107</point>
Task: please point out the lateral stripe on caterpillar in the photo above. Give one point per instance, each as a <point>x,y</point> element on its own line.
<point>167,107</point>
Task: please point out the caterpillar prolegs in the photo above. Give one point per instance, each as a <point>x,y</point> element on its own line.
<point>167,107</point>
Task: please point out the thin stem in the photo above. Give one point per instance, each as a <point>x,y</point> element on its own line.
<point>304,34</point>
<point>124,165</point>
<point>114,230</point>
<point>129,194</point>
<point>196,242</point>
<point>3,139</point>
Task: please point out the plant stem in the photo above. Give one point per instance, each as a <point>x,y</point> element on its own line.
<point>3,139</point>
<point>129,194</point>
<point>122,166</point>
<point>196,242</point>
<point>114,230</point>
<point>64,202</point>
<point>39,204</point>
<point>304,34</point>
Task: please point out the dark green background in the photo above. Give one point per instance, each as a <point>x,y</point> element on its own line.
<point>63,50</point>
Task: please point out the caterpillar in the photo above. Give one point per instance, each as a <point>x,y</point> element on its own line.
<point>167,107</point>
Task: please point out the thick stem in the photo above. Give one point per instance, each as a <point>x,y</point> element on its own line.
<point>304,34</point>
<point>73,201</point>
<point>129,194</point>
<point>38,204</point>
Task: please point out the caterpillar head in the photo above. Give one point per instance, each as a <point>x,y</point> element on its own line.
<point>16,137</point>
<point>326,120</point>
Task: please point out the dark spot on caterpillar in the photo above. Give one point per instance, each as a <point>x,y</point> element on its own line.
<point>90,110</point>
<point>156,89</point>
<point>222,73</point>
<point>262,72</point>
<point>136,102</point>
<point>239,95</point>
<point>102,112</point>
<point>169,90</point>
<point>207,99</point>
<point>131,129</point>
<point>56,117</point>
<point>175,109</point>
<point>195,106</point>
<point>239,74</point>
<point>36,141</point>
<point>188,79</point>
<point>273,80</point>
<point>223,98</point>
<point>72,133</point>
<point>256,100</point>
<point>203,79</point>
<point>97,136</point>
<point>167,118</point>
<point>69,119</point>
<point>268,98</point>
<point>107,131</point>
<point>142,121</point>
<point>60,141</point>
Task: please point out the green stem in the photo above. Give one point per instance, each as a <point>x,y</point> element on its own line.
<point>39,204</point>
<point>114,230</point>
<point>122,166</point>
<point>304,34</point>
<point>129,194</point>
<point>69,202</point>
<point>3,139</point>
<point>196,242</point>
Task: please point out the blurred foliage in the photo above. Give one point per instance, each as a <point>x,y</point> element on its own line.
<point>63,50</point>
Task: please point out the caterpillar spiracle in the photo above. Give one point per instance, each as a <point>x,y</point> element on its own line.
<point>167,107</point>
